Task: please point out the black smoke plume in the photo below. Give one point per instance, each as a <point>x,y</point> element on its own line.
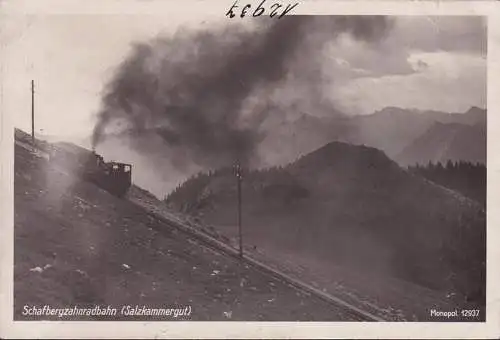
<point>188,91</point>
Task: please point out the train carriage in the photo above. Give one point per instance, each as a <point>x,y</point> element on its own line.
<point>114,177</point>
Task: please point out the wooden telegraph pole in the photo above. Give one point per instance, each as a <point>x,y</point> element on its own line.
<point>33,112</point>
<point>239,178</point>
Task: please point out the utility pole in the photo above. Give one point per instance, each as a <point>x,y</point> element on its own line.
<point>33,112</point>
<point>239,178</point>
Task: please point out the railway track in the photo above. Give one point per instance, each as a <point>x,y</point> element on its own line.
<point>225,249</point>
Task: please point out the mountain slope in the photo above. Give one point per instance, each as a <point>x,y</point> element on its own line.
<point>351,206</point>
<point>392,129</point>
<point>443,142</point>
<point>464,177</point>
<point>76,245</point>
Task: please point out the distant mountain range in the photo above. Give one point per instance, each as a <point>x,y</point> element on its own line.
<point>405,135</point>
<point>338,195</point>
<point>353,206</point>
<point>444,142</point>
<point>399,132</point>
<point>392,130</point>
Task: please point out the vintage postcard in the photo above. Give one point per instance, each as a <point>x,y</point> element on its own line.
<point>250,169</point>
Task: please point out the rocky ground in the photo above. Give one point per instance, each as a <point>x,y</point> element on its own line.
<point>76,245</point>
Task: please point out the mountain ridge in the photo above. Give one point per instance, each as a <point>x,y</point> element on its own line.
<point>77,245</point>
<point>444,142</point>
<point>355,206</point>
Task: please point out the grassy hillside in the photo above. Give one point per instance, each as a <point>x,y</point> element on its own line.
<point>77,245</point>
<point>467,178</point>
<point>352,206</point>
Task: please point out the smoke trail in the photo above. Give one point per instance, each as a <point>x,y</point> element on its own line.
<point>190,90</point>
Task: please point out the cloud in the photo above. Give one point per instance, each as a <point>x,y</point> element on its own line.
<point>419,65</point>
<point>463,34</point>
<point>409,35</point>
<point>423,62</point>
<point>447,82</point>
<point>351,59</point>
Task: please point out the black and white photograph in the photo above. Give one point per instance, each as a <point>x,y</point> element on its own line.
<point>252,164</point>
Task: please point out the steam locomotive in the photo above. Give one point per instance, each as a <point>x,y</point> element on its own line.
<point>114,177</point>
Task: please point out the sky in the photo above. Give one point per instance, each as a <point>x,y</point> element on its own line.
<point>422,62</point>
